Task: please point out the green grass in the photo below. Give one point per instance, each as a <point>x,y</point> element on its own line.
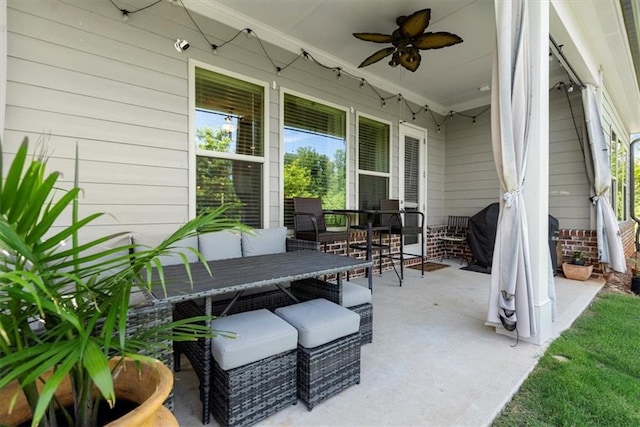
<point>598,384</point>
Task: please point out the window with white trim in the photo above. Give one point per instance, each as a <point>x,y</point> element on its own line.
<point>619,157</point>
<point>229,138</point>
<point>315,144</point>
<point>373,162</point>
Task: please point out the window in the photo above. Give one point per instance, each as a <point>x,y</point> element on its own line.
<point>229,135</point>
<point>314,154</point>
<point>619,156</point>
<point>373,162</point>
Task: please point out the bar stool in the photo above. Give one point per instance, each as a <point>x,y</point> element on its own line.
<point>328,348</point>
<point>253,375</point>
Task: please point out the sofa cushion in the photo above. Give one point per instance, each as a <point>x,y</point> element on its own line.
<point>319,321</point>
<point>264,241</point>
<point>144,242</point>
<point>260,334</point>
<point>220,245</point>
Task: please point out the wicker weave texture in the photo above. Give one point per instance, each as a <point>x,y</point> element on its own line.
<point>308,289</point>
<point>302,245</point>
<point>195,350</point>
<point>146,317</point>
<point>326,370</point>
<point>245,395</point>
<point>365,311</point>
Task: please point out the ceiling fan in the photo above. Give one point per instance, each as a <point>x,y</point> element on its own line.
<point>407,40</point>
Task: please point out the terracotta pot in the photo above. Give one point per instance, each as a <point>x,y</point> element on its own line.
<point>577,272</point>
<point>148,386</point>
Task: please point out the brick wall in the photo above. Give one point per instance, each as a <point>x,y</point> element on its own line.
<point>586,241</point>
<point>628,231</point>
<point>436,246</point>
<point>569,241</point>
<point>359,237</point>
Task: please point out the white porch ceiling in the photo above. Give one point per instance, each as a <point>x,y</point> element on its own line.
<point>449,78</point>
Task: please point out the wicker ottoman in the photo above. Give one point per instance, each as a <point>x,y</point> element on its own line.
<point>254,375</point>
<point>353,296</point>
<point>358,299</point>
<point>328,348</point>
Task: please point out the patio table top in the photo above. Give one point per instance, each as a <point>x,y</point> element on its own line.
<point>238,274</point>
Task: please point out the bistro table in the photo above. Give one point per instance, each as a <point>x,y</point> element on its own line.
<point>369,247</point>
<point>236,275</point>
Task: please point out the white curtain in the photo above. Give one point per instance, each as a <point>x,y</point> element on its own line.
<point>511,295</point>
<point>3,64</point>
<point>610,249</point>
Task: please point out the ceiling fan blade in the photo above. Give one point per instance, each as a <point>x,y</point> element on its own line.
<point>377,56</point>
<point>410,62</point>
<point>416,23</point>
<point>374,37</point>
<point>436,40</point>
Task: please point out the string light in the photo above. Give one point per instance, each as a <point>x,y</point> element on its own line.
<point>308,57</point>
<point>126,13</point>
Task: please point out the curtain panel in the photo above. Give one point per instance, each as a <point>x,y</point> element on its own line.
<point>511,296</point>
<point>610,248</point>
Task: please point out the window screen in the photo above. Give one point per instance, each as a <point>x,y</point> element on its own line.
<point>373,162</point>
<point>315,154</point>
<point>229,119</point>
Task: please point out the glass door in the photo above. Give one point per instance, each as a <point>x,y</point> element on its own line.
<point>412,183</point>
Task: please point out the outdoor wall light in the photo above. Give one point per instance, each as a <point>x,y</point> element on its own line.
<point>181,45</point>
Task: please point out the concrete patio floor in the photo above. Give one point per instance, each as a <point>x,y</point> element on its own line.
<point>433,362</point>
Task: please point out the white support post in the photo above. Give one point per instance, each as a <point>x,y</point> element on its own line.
<point>536,183</point>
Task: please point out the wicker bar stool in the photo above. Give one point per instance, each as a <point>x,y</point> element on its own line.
<point>328,348</point>
<point>253,375</point>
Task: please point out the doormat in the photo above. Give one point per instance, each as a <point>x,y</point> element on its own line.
<point>428,266</point>
<point>477,268</point>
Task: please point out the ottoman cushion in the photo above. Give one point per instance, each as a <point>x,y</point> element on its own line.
<point>260,334</point>
<point>354,294</point>
<point>319,321</point>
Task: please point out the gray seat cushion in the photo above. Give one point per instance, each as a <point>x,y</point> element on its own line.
<point>354,294</point>
<point>220,245</point>
<point>185,246</point>
<point>260,334</point>
<point>264,241</point>
<point>319,321</point>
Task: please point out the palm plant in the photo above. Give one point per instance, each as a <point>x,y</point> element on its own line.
<point>63,303</point>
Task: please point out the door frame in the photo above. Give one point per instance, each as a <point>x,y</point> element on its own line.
<point>408,130</point>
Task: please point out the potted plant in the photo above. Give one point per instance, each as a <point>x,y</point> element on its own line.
<point>577,258</point>
<point>64,304</point>
<point>577,269</point>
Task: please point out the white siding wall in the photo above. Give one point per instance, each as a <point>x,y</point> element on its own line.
<point>471,182</point>
<point>569,188</point>
<point>78,74</point>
